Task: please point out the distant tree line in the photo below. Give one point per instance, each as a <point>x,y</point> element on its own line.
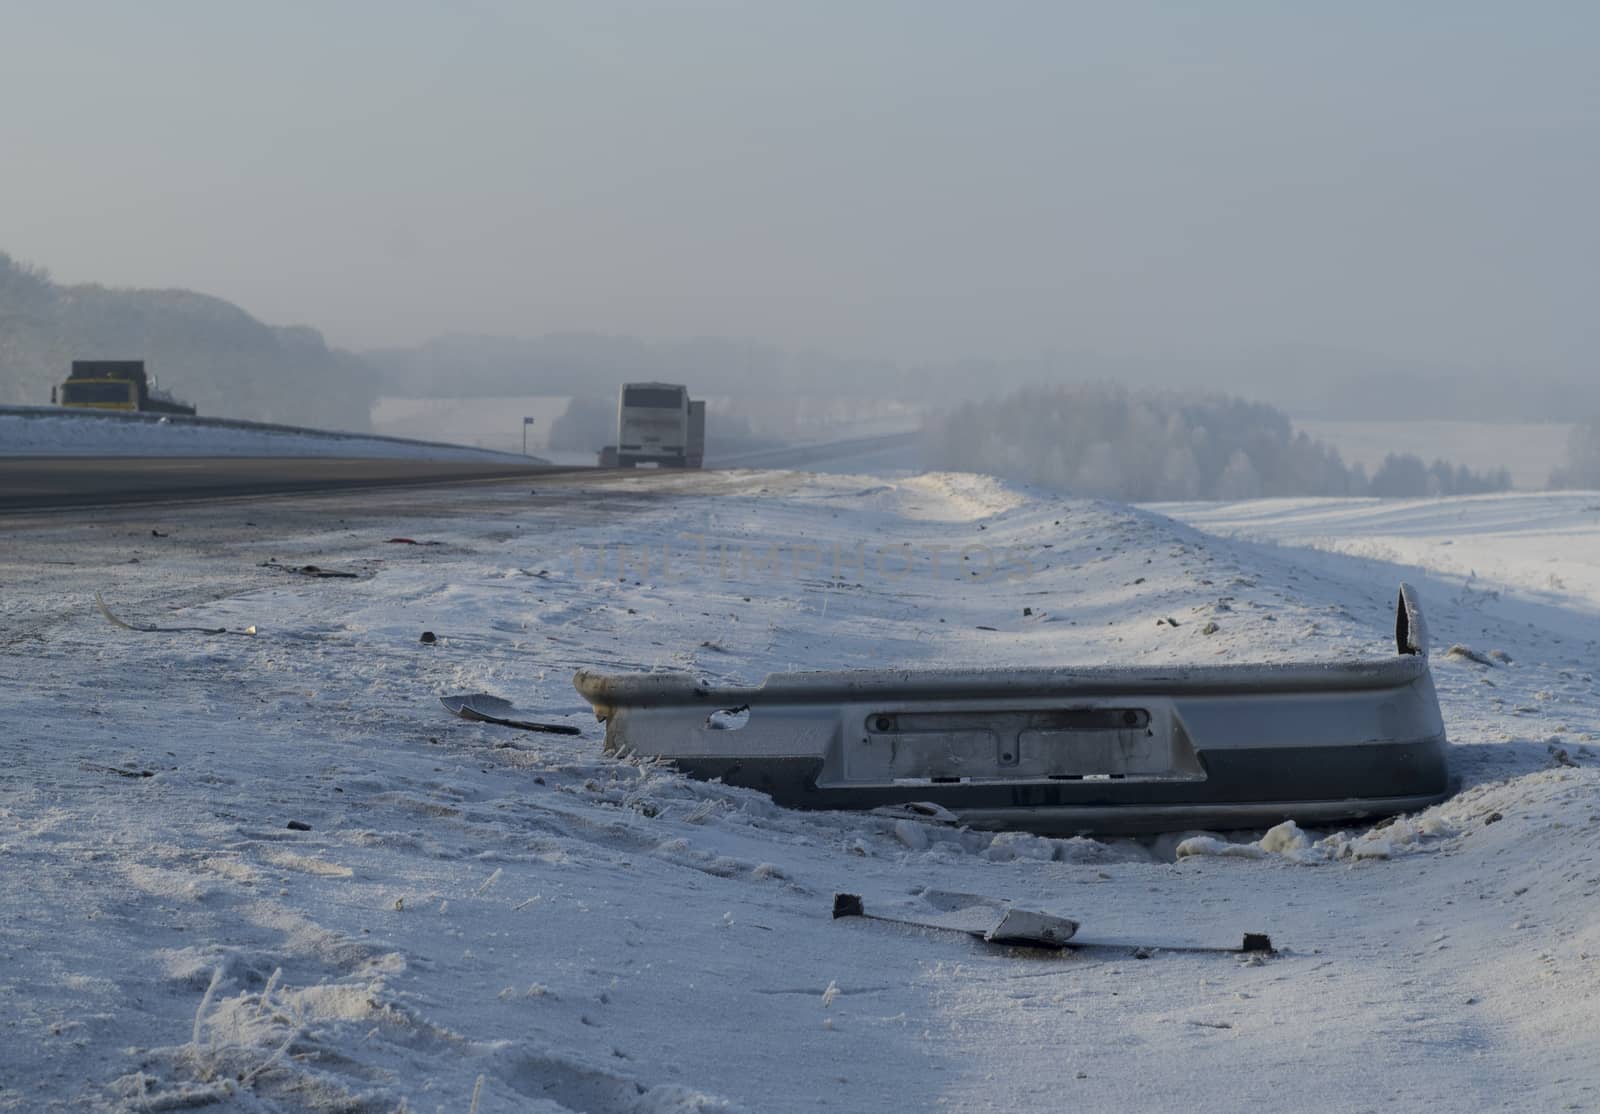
<point>1582,469</point>
<point>205,350</point>
<point>1404,474</point>
<point>1106,441</point>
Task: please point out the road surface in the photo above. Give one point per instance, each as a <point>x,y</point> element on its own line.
<point>41,482</point>
<point>30,483</point>
<point>876,453</point>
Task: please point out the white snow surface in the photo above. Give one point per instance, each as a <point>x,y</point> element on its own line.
<point>468,917</point>
<point>41,431</point>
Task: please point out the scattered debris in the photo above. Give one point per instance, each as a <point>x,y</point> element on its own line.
<point>1210,628</point>
<point>481,707</point>
<point>118,770</point>
<point>1009,926</point>
<point>1255,944</point>
<point>728,719</point>
<point>998,922</point>
<point>142,629</point>
<point>321,573</point>
<point>316,571</point>
<point>925,811</point>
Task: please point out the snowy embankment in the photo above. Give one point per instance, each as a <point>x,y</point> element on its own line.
<point>52,431</point>
<point>1539,546</point>
<point>267,872</point>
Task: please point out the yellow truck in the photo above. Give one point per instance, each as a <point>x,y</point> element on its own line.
<point>115,385</point>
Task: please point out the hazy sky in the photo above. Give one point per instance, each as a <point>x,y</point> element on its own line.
<point>905,179</point>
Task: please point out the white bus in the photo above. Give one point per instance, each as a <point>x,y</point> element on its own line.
<point>659,423</point>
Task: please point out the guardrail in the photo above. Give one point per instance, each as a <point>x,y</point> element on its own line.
<point>135,417</point>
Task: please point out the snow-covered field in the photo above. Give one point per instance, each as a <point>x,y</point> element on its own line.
<point>49,431</point>
<point>1543,544</point>
<point>268,872</point>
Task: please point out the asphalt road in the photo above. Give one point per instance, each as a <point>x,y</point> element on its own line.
<point>865,454</point>
<point>43,482</point>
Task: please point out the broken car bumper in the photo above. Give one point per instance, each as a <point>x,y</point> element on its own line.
<point>1061,751</point>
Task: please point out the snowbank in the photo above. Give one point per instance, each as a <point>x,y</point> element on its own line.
<point>1394,837</point>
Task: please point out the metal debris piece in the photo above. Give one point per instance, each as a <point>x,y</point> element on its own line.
<point>1000,924</point>
<point>483,708</point>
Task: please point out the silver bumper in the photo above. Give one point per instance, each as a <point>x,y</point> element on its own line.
<point>1061,751</point>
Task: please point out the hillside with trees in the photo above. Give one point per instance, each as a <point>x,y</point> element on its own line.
<point>1109,442</point>
<point>205,350</point>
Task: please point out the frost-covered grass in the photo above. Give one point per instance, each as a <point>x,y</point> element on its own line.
<point>470,915</point>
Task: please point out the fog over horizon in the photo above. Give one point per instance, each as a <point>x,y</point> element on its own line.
<point>1184,192</point>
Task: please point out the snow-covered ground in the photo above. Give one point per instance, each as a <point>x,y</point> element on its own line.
<point>466,917</point>
<point>50,431</point>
